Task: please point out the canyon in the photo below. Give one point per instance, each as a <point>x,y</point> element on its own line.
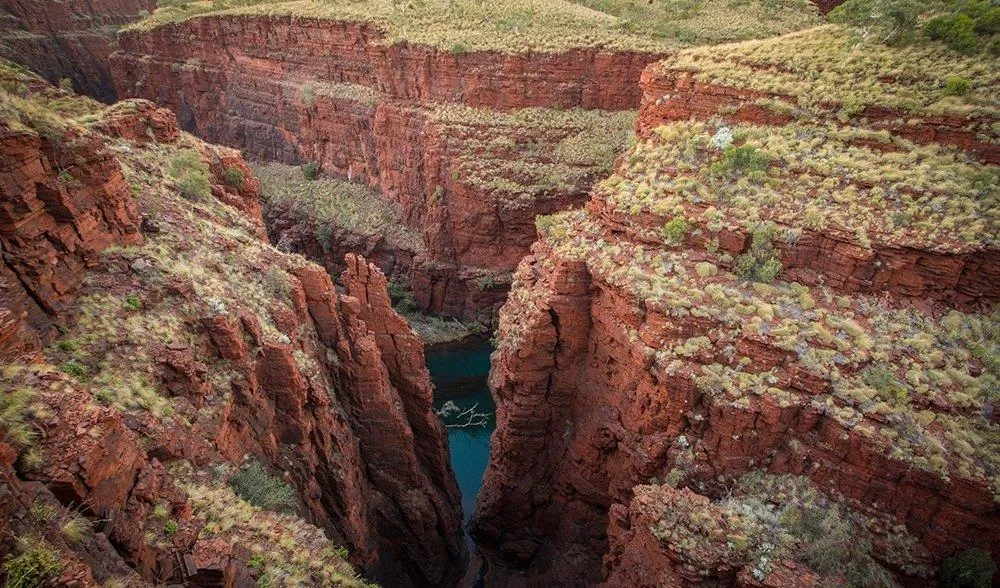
<point>469,144</point>
<point>744,288</point>
<point>68,40</point>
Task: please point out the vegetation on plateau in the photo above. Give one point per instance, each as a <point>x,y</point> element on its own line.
<point>532,154</point>
<point>338,211</point>
<point>512,26</point>
<point>862,186</point>
<point>766,518</point>
<point>827,70</point>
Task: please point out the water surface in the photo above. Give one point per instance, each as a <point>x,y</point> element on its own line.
<point>464,404</point>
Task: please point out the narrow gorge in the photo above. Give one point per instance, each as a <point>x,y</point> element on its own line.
<point>740,260</point>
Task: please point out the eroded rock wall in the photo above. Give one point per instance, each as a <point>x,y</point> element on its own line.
<point>296,89</point>
<point>329,388</point>
<point>68,39</point>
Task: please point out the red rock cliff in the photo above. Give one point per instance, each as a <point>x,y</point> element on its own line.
<point>329,389</point>
<point>68,39</point>
<point>615,369</point>
<point>297,89</point>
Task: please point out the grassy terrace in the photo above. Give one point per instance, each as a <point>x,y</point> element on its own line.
<point>826,66</point>
<point>812,177</point>
<point>767,518</point>
<point>338,210</point>
<point>526,154</point>
<point>286,550</point>
<point>514,26</point>
<point>921,386</point>
<point>28,103</point>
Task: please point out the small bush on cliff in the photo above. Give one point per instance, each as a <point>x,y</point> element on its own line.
<point>35,564</point>
<point>308,95</point>
<point>760,262</point>
<point>310,171</point>
<point>675,231</point>
<point>235,177</point>
<point>76,528</point>
<point>738,160</point>
<point>255,485</point>
<point>191,174</point>
<point>402,297</point>
<point>956,86</point>
<point>972,568</point>
<point>13,415</point>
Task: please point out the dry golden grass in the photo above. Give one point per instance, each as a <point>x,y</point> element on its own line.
<point>814,177</point>
<point>828,65</point>
<point>515,26</point>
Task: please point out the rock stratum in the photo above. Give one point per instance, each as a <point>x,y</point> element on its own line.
<point>470,119</point>
<point>68,40</point>
<point>764,352</point>
<point>182,402</point>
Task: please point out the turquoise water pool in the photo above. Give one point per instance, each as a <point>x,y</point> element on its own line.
<point>464,404</point>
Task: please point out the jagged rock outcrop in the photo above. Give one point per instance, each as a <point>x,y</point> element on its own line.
<point>70,40</point>
<point>64,199</point>
<point>192,351</point>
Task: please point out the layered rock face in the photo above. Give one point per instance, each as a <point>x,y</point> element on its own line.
<point>722,84</point>
<point>730,304</point>
<point>68,39</point>
<point>297,89</point>
<point>193,357</point>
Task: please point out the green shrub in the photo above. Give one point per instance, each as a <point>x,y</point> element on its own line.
<point>969,28</point>
<point>402,297</point>
<point>66,85</point>
<point>235,177</point>
<point>459,49</point>
<point>32,567</point>
<point>887,21</point>
<point>308,95</point>
<point>170,528</point>
<point>972,568</point>
<point>191,174</point>
<point>73,368</point>
<point>760,263</point>
<point>486,282</point>
<point>257,562</point>
<point>958,31</point>
<point>675,231</point>
<point>133,302</point>
<point>310,171</point>
<point>885,383</point>
<point>75,529</point>
<point>956,86</point>
<point>255,485</point>
<point>743,159</point>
